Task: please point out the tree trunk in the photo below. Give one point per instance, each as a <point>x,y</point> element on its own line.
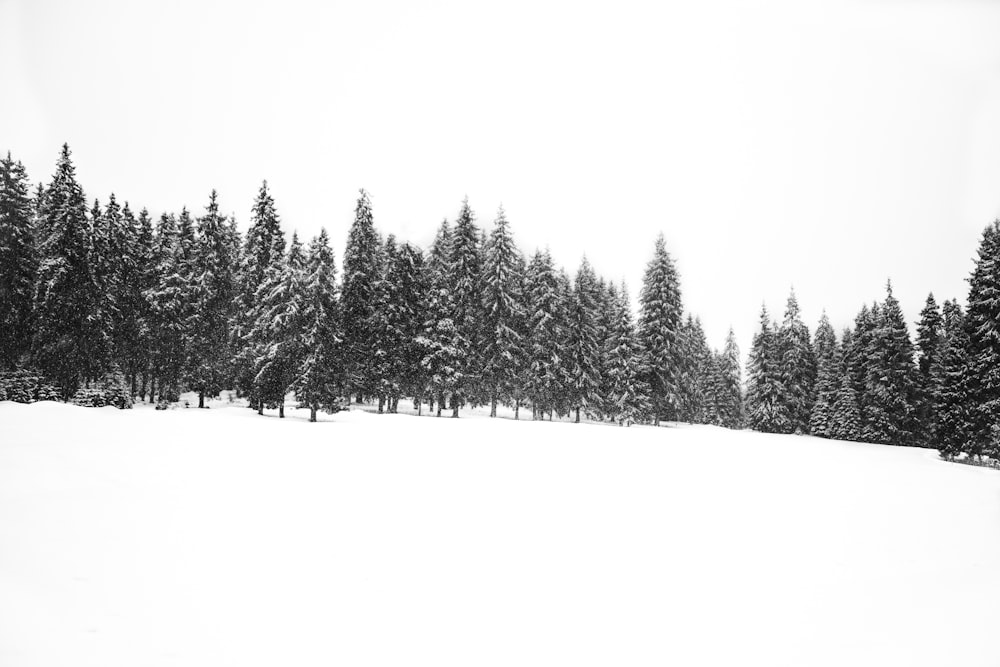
<point>517,409</point>
<point>440,403</point>
<point>577,415</point>
<point>260,408</point>
<point>418,406</point>
<point>201,399</point>
<point>152,390</point>
<point>493,406</point>
<point>381,404</point>
<point>281,410</point>
<point>358,398</point>
<point>312,413</point>
<point>454,407</point>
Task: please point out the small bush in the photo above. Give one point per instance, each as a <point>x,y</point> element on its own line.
<point>111,390</point>
<point>26,386</point>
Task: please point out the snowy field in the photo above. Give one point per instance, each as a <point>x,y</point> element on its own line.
<point>217,537</point>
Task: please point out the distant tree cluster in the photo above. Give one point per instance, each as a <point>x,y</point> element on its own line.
<point>875,385</point>
<point>99,295</point>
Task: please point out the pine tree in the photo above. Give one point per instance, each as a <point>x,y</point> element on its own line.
<point>18,263</point>
<point>170,310</point>
<point>69,343</point>
<point>891,378</point>
<point>983,324</point>
<point>954,424</point>
<point>465,267</point>
<point>846,418</point>
<point>728,393</point>
<point>214,288</point>
<point>146,262</point>
<point>659,323</point>
<point>583,349</point>
<point>503,352</point>
<point>767,409</point>
<point>628,394</point>
<point>264,247</point>
<point>360,299</point>
<point>930,332</point>
<point>546,352</point>
<point>828,378</point>
<point>693,373</point>
<point>798,367</point>
<point>279,328</point>
<point>319,379</point>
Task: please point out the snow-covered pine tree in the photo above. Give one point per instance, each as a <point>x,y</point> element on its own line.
<point>627,401</point>
<point>279,328</point>
<point>318,381</point>
<point>18,263</point>
<point>563,316</point>
<point>798,366</point>
<point>402,321</point>
<point>465,268</point>
<point>828,378</point>
<point>845,423</point>
<point>264,246</point>
<point>502,353</point>
<point>545,349</point>
<point>607,321</point>
<point>930,332</point>
<point>857,352</point>
<point>729,385</point>
<point>583,348</point>
<point>767,409</point>
<point>69,343</point>
<point>438,308</point>
<point>891,378</point>
<point>146,265</point>
<point>660,312</point>
<point>360,296</point>
<point>214,289</point>
<point>983,325</point>
<point>953,430</point>
<point>171,307</point>
<point>693,372</point>
<point>128,335</point>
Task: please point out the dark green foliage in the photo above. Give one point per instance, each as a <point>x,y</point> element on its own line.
<point>464,273</point>
<point>546,351</point>
<point>659,325</point>
<point>930,332</point>
<point>111,390</point>
<point>583,349</point>
<point>727,386</point>
<point>828,379</point>
<point>26,386</point>
<point>983,325</point>
<point>18,263</point>
<point>627,393</point>
<point>694,377</point>
<point>953,429</point>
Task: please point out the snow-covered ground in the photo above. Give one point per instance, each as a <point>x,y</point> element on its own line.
<point>217,537</point>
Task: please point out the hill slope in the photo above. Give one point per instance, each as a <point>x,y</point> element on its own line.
<point>217,537</point>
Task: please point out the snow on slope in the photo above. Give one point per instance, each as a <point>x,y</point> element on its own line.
<point>217,537</point>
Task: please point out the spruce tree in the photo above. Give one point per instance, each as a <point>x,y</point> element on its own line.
<point>767,409</point>
<point>18,263</point>
<point>628,394</point>
<point>728,395</point>
<point>360,296</point>
<point>954,413</point>
<point>465,267</point>
<point>798,367</point>
<point>694,368</point>
<point>845,423</point>
<point>318,380</point>
<point>930,332</point>
<point>546,353</point>
<point>170,311</point>
<point>404,318</point>
<point>503,351</point>
<point>983,325</point>
<point>146,265</point>
<point>659,323</point>
<point>828,378</point>
<point>70,342</point>
<point>214,289</point>
<point>583,349</point>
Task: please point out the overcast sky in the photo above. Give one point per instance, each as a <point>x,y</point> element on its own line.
<point>825,145</point>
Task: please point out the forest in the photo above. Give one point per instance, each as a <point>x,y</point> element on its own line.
<point>102,305</point>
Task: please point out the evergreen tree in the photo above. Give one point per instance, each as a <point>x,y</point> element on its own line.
<point>828,378</point>
<point>263,248</point>
<point>360,299</point>
<point>319,379</point>
<point>798,367</point>
<point>465,267</point>
<point>546,352</point>
<point>846,418</point>
<point>503,351</point>
<point>583,349</point>
<point>628,394</point>
<point>146,279</point>
<point>69,343</point>
<point>170,310</point>
<point>930,332</point>
<point>18,263</point>
<point>279,329</point>
<point>728,386</point>
<point>983,325</point>
<point>767,409</point>
<point>954,413</point>
<point>659,323</point>
<point>214,289</point>
<point>694,368</point>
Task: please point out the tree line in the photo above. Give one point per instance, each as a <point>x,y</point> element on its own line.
<point>95,296</point>
<point>875,384</point>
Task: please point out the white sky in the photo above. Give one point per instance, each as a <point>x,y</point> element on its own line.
<point>825,145</point>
